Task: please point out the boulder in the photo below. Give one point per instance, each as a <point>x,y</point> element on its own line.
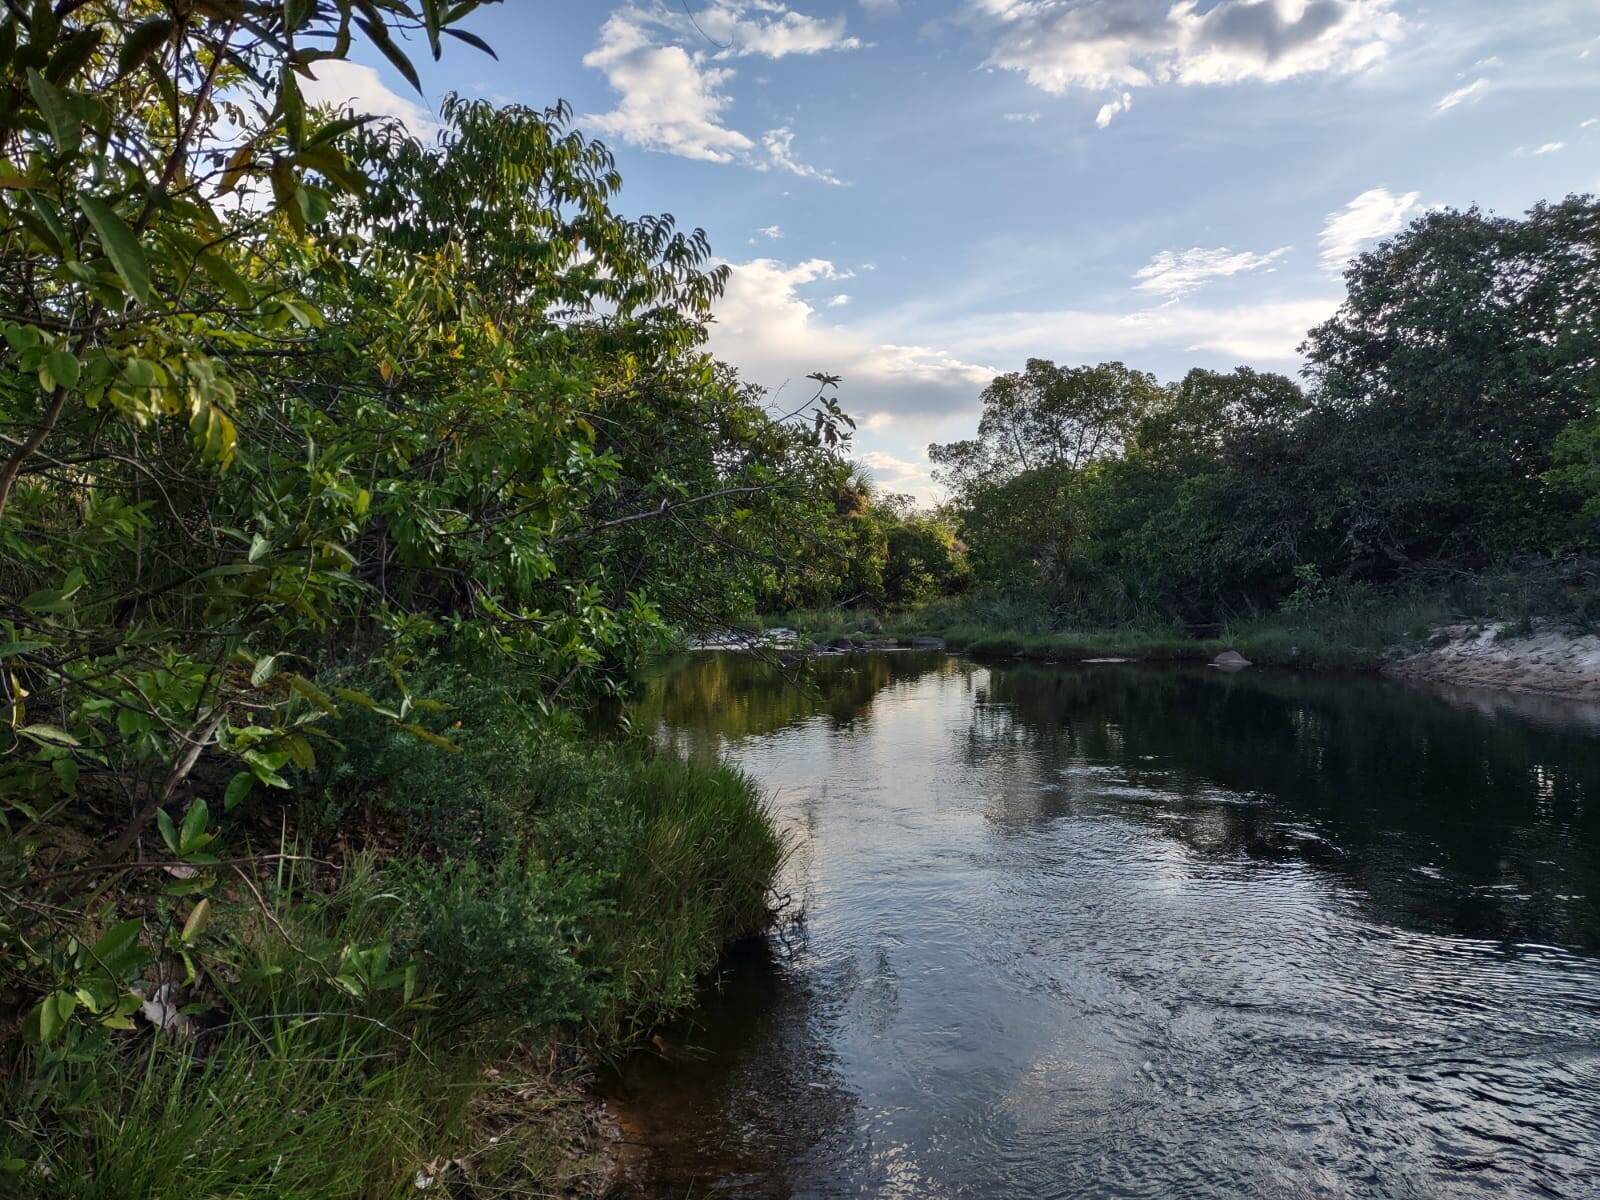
<point>1230,660</point>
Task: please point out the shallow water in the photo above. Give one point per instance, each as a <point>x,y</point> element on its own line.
<point>1130,931</point>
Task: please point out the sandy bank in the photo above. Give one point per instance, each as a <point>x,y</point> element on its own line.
<point>1548,661</point>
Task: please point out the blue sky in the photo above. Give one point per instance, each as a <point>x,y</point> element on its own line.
<point>916,194</point>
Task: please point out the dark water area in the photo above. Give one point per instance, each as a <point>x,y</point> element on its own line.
<point>1081,931</point>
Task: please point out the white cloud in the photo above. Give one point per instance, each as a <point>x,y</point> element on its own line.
<point>839,301</point>
<point>765,326</point>
<point>882,463</point>
<point>669,98</point>
<point>1062,44</point>
<point>760,27</point>
<point>1592,121</point>
<point>1375,213</point>
<point>1109,111</point>
<point>1547,148</point>
<point>874,422</point>
<point>770,231</point>
<point>351,85</point>
<point>1489,64</point>
<point>1472,91</point>
<point>1027,118</point>
<point>1269,332</point>
<point>779,145</point>
<point>1176,273</point>
<point>672,95</point>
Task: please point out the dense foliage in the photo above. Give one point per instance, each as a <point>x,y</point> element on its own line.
<point>1448,423</point>
<point>311,433</point>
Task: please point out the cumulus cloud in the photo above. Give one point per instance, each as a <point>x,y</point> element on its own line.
<point>664,65</point>
<point>1473,91</point>
<point>670,99</point>
<point>1373,214</point>
<point>1176,273</point>
<point>839,300</point>
<point>881,464</point>
<point>767,327</point>
<point>1098,44</point>
<point>1109,111</point>
<point>351,85</point>
<point>770,231</point>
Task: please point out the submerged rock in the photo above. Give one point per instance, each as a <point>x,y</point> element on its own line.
<point>1230,660</point>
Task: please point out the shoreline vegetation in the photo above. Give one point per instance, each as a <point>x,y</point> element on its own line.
<point>346,478</point>
<point>330,521</point>
<point>1418,639</point>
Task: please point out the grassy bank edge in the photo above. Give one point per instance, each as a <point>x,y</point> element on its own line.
<point>609,873</point>
<point>1356,637</point>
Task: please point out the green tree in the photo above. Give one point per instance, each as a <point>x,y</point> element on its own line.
<point>1015,488</point>
<point>291,400</point>
<point>1464,346</point>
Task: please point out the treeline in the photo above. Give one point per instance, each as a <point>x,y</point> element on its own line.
<point>339,472</point>
<point>889,552</point>
<point>1448,424</point>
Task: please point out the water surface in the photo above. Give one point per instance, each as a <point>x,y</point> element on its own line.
<point>1110,930</point>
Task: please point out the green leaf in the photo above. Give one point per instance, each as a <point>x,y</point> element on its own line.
<point>15,180</point>
<point>71,56</point>
<point>142,41</point>
<point>64,368</point>
<point>49,734</point>
<point>473,39</point>
<point>47,1020</point>
<point>196,923</point>
<point>266,667</point>
<point>169,831</point>
<point>58,113</point>
<point>194,826</point>
<point>296,13</point>
<point>238,788</point>
<point>379,34</point>
<point>120,245</point>
<point>221,273</point>
<point>311,692</point>
<point>432,738</point>
<point>118,945</point>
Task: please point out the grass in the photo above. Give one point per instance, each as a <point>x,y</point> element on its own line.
<point>589,886</point>
<point>1357,632</point>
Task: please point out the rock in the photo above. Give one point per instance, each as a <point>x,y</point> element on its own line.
<point>1230,660</point>
<point>869,624</point>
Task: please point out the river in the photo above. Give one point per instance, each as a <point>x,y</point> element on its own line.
<point>1120,930</point>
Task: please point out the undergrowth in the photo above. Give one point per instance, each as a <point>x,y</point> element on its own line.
<point>361,1023</point>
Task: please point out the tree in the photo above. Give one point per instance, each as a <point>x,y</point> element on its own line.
<point>290,402</point>
<point>1464,346</point>
<point>1014,487</point>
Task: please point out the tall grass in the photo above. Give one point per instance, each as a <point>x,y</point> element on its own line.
<point>587,887</point>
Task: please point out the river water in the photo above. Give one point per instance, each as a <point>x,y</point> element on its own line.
<point>1102,930</point>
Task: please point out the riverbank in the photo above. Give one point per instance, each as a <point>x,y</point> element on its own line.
<point>1536,658</point>
<point>1362,641</point>
<point>407,985</point>
<point>1414,642</point>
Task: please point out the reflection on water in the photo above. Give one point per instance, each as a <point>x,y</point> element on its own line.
<point>1127,931</point>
